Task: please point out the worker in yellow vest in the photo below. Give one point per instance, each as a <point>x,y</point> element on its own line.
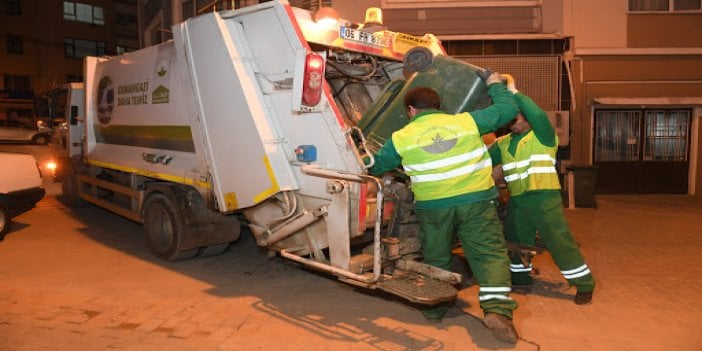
<point>528,159</point>
<point>451,174</point>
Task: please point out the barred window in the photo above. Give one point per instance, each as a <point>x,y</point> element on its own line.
<point>641,135</point>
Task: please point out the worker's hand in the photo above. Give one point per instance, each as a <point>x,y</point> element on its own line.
<point>509,80</point>
<point>489,77</point>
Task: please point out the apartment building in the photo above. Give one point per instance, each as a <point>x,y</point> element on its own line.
<point>42,43</point>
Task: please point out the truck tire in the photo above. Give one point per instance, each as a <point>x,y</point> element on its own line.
<point>164,229</point>
<point>213,250</point>
<point>41,139</point>
<point>69,190</point>
<point>5,222</point>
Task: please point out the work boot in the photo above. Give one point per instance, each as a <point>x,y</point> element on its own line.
<point>583,298</point>
<point>501,327</point>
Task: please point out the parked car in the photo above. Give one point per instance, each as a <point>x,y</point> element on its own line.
<point>20,187</point>
<point>35,131</point>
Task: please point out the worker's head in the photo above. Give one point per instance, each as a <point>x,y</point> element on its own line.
<point>421,98</point>
<point>519,125</point>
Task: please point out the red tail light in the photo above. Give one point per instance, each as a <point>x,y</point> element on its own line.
<point>314,77</point>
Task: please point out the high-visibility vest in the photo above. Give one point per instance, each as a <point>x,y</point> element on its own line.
<point>444,156</point>
<point>533,166</point>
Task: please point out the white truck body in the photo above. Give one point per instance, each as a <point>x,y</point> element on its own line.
<point>194,135</point>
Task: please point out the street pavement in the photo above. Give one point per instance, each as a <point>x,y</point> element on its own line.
<point>83,279</point>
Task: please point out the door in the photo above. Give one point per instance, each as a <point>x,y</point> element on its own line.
<point>642,151</point>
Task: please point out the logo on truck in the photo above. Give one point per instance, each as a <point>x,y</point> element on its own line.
<point>160,95</point>
<point>105,100</point>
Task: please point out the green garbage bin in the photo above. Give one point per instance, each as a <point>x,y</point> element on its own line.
<point>456,82</point>
<point>584,181</point>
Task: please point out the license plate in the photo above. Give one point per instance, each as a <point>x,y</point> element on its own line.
<point>376,39</point>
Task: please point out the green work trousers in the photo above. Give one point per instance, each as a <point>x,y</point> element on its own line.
<point>478,228</point>
<point>543,212</point>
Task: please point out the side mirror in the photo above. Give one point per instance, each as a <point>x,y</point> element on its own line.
<point>74,115</point>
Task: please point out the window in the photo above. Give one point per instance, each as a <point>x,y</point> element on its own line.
<point>69,11</point>
<point>123,49</point>
<point>666,135</point>
<point>12,7</point>
<point>664,5</point>
<point>75,11</point>
<point>16,82</point>
<point>14,45</point>
<point>636,135</point>
<point>79,48</point>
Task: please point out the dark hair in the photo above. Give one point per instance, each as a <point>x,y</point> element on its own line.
<point>423,98</point>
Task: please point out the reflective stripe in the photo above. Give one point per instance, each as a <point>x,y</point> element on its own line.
<point>524,163</point>
<point>577,275</point>
<point>518,267</point>
<point>495,289</point>
<point>577,272</point>
<point>493,297</point>
<point>450,161</point>
<point>452,173</point>
<point>512,165</point>
<point>532,170</point>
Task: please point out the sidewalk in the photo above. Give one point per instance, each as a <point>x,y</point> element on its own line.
<point>83,279</point>
<point>645,253</point>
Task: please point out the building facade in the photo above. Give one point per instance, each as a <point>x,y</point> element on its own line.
<point>42,43</point>
<point>622,79</point>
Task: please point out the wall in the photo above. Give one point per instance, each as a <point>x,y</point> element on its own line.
<point>681,30</point>
<point>598,23</point>
<point>354,10</point>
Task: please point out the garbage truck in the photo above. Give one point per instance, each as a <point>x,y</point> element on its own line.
<point>258,118</point>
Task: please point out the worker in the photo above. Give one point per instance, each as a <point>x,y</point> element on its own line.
<point>450,171</point>
<point>528,159</point>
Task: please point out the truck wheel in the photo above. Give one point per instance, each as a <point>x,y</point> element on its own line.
<point>212,250</point>
<point>5,222</point>
<point>164,229</point>
<point>40,139</point>
<point>69,190</point>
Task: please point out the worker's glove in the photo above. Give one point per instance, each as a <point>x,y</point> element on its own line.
<point>489,76</point>
<point>509,81</point>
